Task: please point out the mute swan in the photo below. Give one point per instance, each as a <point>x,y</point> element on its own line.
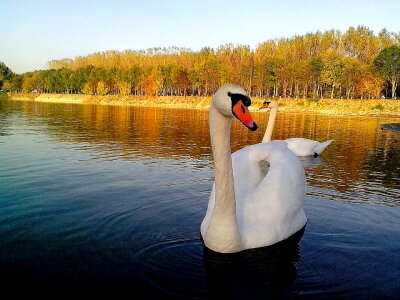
<point>248,208</point>
<point>300,146</point>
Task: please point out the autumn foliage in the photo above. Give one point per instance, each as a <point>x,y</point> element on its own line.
<point>316,65</point>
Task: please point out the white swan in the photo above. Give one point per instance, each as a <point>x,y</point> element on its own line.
<point>300,146</point>
<point>248,208</point>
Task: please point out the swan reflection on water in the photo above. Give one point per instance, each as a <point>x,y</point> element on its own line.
<point>254,273</point>
<point>310,162</point>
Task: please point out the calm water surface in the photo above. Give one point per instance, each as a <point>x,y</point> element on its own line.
<point>111,198</point>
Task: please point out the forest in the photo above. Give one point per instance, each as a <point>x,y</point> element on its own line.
<point>355,64</point>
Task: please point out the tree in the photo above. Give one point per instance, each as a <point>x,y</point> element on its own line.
<point>87,89</point>
<point>321,64</point>
<point>167,73</point>
<point>101,89</point>
<point>301,77</point>
<point>16,83</point>
<point>32,83</point>
<point>370,85</point>
<point>274,66</point>
<point>352,71</point>
<point>181,81</point>
<point>317,65</point>
<point>5,74</point>
<point>361,43</point>
<point>7,85</point>
<point>152,83</point>
<point>210,71</point>
<point>387,64</point>
<point>124,88</point>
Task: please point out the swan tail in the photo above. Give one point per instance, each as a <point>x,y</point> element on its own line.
<point>321,147</point>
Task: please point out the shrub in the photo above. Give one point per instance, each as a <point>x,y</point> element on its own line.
<point>379,107</point>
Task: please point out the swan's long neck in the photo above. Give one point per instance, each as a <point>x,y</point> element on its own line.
<point>270,127</point>
<point>222,234</point>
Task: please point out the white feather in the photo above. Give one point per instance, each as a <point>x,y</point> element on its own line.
<point>267,207</point>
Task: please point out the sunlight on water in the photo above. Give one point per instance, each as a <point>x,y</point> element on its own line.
<point>116,195</point>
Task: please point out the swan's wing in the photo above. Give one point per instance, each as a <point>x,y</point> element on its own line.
<point>302,147</point>
<point>285,177</point>
<point>250,170</point>
<point>269,206</point>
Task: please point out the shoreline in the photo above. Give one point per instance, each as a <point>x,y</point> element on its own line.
<point>348,107</point>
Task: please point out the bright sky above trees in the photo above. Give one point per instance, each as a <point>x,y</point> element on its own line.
<point>35,32</point>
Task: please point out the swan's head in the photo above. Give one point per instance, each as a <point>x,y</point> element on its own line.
<point>269,104</point>
<point>232,101</point>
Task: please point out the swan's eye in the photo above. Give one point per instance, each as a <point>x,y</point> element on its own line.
<point>239,97</point>
<point>246,101</point>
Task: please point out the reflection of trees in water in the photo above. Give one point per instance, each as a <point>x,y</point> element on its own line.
<point>385,158</point>
<point>167,133</point>
<point>5,115</point>
<point>360,150</point>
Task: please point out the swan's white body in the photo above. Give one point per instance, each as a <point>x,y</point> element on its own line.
<point>299,146</point>
<point>248,208</point>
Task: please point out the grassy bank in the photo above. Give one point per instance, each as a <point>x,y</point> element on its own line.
<point>380,107</point>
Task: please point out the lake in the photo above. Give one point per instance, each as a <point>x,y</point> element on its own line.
<point>109,198</point>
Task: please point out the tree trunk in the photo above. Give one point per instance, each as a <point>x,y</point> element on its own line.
<point>284,90</point>
<point>394,87</point>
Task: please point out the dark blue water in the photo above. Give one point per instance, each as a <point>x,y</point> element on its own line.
<point>391,126</point>
<point>102,198</point>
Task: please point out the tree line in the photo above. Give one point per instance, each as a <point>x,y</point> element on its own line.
<point>332,64</point>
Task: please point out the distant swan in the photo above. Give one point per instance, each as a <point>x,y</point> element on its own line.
<point>300,146</point>
<point>248,208</point>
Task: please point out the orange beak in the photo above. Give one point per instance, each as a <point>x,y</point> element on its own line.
<point>265,105</point>
<point>241,112</point>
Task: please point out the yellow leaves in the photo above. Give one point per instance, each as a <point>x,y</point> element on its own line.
<point>87,89</point>
<point>101,88</point>
<point>124,88</point>
<point>320,64</point>
<point>370,86</point>
<point>31,83</point>
<point>152,83</point>
<point>6,86</point>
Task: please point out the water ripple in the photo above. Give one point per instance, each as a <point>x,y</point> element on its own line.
<point>91,194</point>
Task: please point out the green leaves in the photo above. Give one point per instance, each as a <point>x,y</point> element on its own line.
<point>387,64</point>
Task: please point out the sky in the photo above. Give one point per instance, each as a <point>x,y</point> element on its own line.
<point>34,32</point>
